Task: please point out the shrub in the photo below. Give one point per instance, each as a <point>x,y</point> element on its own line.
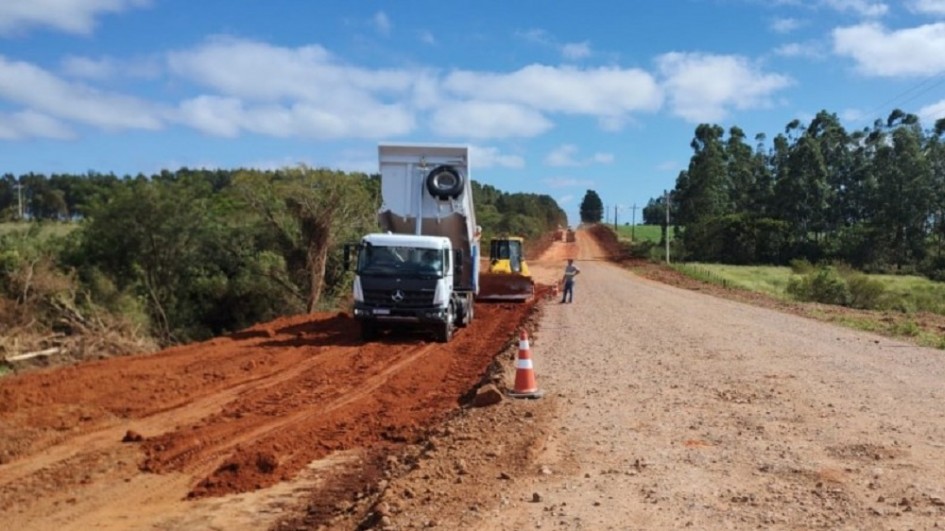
<point>824,285</point>
<point>865,293</point>
<point>801,266</point>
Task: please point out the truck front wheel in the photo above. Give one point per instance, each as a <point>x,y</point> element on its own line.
<point>444,331</point>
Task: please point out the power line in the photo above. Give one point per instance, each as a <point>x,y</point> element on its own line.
<point>938,79</point>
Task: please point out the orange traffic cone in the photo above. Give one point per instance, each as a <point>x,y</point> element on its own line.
<point>525,385</point>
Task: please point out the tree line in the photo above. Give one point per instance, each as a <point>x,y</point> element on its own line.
<point>190,254</point>
<point>872,198</point>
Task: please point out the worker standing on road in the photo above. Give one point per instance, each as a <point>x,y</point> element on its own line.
<point>570,271</point>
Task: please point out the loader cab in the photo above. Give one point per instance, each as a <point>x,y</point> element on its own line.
<point>506,254</point>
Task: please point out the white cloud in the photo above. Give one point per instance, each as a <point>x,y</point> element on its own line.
<point>853,115</point>
<point>213,115</point>
<point>488,157</point>
<point>612,123</point>
<point>785,25</point>
<point>562,156</point>
<point>878,52</point>
<point>427,37</point>
<point>932,113</point>
<point>71,16</point>
<point>260,71</point>
<point>705,88</point>
<point>31,124</point>
<point>565,199</point>
<point>382,23</point>
<point>863,8</point>
<point>928,7</point>
<point>106,68</point>
<point>571,51</point>
<point>36,89</point>
<point>228,117</point>
<point>595,92</point>
<point>286,92</point>
<point>797,49</point>
<point>576,50</point>
<point>566,155</point>
<point>87,68</point>
<point>479,119</point>
<point>603,158</point>
<point>537,36</point>
<point>566,182</point>
<point>669,165</point>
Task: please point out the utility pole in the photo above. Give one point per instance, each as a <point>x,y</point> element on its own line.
<point>615,218</point>
<point>633,223</point>
<point>19,198</point>
<point>666,202</point>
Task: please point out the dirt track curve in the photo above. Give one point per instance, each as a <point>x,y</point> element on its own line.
<point>122,443</point>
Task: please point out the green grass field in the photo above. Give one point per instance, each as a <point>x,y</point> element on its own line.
<point>770,280</point>
<point>640,233</point>
<point>903,292</point>
<point>903,296</point>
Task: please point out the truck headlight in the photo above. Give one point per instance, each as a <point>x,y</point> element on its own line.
<point>358,293</point>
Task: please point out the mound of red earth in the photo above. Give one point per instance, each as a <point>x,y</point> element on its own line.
<point>242,412</point>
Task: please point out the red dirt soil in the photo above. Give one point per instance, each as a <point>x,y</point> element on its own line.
<point>246,411</point>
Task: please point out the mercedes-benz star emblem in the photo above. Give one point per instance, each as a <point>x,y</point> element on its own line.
<point>398,296</point>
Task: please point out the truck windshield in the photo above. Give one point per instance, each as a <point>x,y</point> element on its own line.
<point>377,260</point>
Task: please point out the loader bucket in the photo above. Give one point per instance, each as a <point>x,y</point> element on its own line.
<point>505,287</point>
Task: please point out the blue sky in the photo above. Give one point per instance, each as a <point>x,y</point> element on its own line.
<point>553,97</point>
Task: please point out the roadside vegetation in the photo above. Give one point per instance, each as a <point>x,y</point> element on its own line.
<point>909,307</point>
<point>104,265</point>
<point>873,199</point>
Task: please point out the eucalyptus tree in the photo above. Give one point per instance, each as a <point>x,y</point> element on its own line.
<point>762,191</point>
<point>935,150</point>
<point>740,173</point>
<point>903,203</point>
<point>836,151</point>
<point>801,193</point>
<point>703,189</point>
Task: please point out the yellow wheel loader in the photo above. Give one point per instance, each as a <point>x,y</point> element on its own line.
<point>507,278</point>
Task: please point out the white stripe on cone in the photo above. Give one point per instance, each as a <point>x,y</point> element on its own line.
<point>523,344</point>
<point>523,364</point>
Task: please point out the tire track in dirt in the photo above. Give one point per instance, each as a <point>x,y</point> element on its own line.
<point>230,415</point>
<point>198,448</point>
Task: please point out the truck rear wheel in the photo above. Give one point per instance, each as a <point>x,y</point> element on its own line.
<point>468,313</point>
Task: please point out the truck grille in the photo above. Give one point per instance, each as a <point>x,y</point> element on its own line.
<point>411,298</point>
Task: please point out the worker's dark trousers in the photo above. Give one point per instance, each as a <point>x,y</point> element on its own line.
<point>568,294</point>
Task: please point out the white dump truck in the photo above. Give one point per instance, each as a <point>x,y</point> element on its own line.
<point>423,268</point>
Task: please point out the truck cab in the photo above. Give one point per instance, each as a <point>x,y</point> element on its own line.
<point>405,278</point>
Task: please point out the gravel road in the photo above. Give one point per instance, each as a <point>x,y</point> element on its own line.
<point>676,409</point>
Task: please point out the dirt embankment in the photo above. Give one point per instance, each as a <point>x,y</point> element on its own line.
<point>231,415</point>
